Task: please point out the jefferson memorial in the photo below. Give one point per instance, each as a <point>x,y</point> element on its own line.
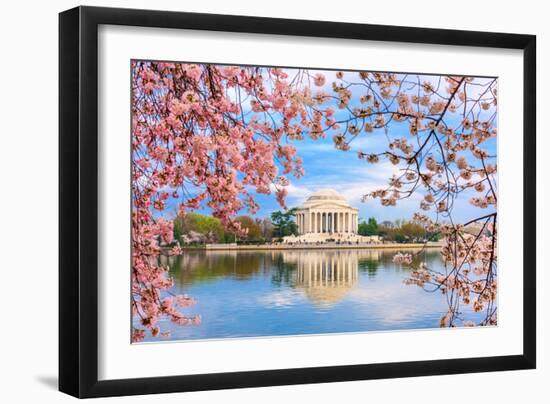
<point>327,216</point>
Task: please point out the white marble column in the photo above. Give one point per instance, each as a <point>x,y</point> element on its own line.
<point>345,226</point>
<point>318,218</point>
<point>314,222</point>
<point>344,222</point>
<point>316,225</point>
<point>317,222</point>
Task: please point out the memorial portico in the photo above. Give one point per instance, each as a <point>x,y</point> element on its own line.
<point>326,211</point>
<point>326,216</point>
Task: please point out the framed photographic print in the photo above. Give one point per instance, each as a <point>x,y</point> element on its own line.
<point>251,201</point>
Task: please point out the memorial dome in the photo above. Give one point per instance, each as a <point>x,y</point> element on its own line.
<point>326,196</point>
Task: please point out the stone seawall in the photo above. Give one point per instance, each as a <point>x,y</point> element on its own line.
<point>324,246</point>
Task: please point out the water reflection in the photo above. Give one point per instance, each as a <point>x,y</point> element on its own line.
<point>327,276</point>
<point>290,292</point>
<point>204,266</point>
<point>286,267</point>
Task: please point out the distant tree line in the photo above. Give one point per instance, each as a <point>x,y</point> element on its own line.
<point>195,228</point>
<point>400,231</point>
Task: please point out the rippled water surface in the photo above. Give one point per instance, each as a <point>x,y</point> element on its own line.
<point>291,292</point>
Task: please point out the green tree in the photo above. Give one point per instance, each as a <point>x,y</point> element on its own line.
<point>433,236</point>
<point>209,227</point>
<point>369,228</point>
<point>283,223</point>
<point>400,237</point>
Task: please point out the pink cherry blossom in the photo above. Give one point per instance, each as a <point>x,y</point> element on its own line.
<point>211,136</point>
<point>319,79</point>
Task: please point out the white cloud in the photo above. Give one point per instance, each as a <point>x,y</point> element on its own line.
<point>315,147</point>
<point>352,183</point>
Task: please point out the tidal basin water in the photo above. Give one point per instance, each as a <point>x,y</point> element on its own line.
<point>294,292</point>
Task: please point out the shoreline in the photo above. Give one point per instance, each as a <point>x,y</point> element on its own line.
<point>233,247</point>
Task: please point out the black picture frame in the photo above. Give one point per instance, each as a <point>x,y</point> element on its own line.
<point>78,196</point>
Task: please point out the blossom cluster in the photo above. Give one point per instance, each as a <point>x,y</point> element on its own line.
<point>470,276</point>
<point>208,136</point>
<point>452,127</point>
<point>214,136</point>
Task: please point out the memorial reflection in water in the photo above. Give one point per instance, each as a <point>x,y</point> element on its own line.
<point>326,276</point>
<point>301,291</point>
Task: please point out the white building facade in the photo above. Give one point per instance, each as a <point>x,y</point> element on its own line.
<point>326,215</point>
<point>326,211</point>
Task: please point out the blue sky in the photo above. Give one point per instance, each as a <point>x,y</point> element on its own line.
<point>327,167</point>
